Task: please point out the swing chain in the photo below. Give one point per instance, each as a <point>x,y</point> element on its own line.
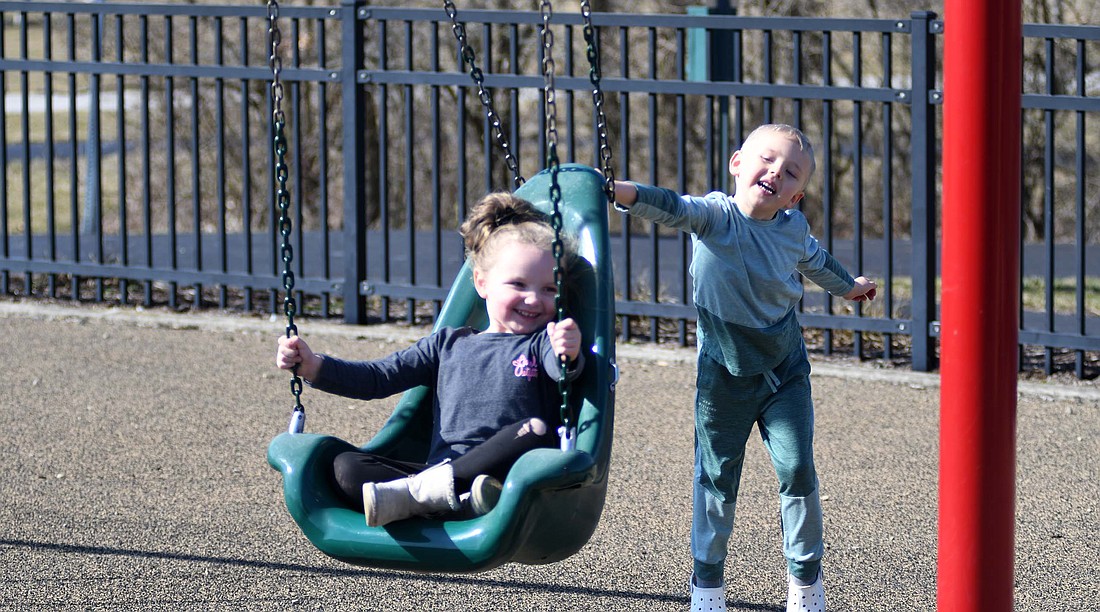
<point>282,200</point>
<point>568,431</point>
<point>594,75</point>
<point>468,59</point>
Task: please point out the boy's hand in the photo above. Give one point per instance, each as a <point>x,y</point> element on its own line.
<point>863,291</point>
<point>294,351</point>
<point>565,337</point>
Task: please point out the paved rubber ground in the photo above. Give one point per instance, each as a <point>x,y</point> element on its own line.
<point>135,478</point>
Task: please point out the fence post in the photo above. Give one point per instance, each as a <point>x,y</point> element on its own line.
<point>923,170</point>
<point>722,69</point>
<point>92,223</point>
<point>355,203</point>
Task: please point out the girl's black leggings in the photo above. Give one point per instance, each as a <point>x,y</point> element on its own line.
<point>494,457</point>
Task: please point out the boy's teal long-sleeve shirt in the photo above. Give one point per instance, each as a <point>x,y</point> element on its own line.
<point>745,270</point>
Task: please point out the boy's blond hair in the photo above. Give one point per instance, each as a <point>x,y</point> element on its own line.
<point>795,134</point>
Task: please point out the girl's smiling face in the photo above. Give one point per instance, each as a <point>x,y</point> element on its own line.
<point>518,288</point>
<point>770,172</point>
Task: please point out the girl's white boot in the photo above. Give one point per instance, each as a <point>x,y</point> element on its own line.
<point>425,494</point>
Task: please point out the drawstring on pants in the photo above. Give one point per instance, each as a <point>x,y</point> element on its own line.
<point>773,380</point>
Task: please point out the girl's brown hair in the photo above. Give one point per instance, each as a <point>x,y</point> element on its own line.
<point>499,216</point>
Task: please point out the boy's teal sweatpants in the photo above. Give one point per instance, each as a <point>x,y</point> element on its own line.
<point>726,408</point>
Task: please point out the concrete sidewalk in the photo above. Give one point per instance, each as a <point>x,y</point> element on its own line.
<point>135,452</point>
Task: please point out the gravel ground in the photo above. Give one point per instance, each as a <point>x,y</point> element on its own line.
<point>135,452</point>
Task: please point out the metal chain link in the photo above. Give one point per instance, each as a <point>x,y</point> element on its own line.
<point>468,59</point>
<point>282,201</point>
<point>594,75</point>
<point>568,431</point>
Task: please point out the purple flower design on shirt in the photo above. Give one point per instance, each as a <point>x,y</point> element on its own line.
<point>526,367</point>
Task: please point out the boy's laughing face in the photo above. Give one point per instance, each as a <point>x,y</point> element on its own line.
<point>770,172</point>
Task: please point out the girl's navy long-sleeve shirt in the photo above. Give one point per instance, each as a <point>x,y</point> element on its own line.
<point>482,382</point>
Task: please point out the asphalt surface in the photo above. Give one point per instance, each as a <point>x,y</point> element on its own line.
<point>135,478</point>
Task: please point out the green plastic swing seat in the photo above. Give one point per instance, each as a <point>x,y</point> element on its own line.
<point>552,499</point>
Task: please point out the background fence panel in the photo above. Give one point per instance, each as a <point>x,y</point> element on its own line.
<point>137,157</point>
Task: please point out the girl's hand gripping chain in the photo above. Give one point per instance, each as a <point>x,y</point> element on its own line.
<point>294,351</point>
<point>565,337</point>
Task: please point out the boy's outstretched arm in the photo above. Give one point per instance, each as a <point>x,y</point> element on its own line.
<point>863,290</point>
<point>626,194</point>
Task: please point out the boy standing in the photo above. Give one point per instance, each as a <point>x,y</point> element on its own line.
<point>752,364</point>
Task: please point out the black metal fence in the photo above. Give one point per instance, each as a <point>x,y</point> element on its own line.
<point>137,157</point>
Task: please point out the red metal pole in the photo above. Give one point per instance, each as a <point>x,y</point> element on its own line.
<point>979,313</point>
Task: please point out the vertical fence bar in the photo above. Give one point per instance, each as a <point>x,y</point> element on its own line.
<point>299,228</point>
<point>1049,271</point>
<point>384,164</point>
<point>436,171</point>
<point>827,174</point>
<point>274,240</point>
<point>487,131</point>
<point>463,177</point>
<point>120,131</point>
<point>768,76</point>
<point>857,181</point>
<point>51,204</point>
<point>569,96</point>
<point>196,168</point>
<point>93,152</point>
<point>170,165</point>
<point>624,166</point>
<point>654,179</point>
<point>220,161</point>
<point>543,143</point>
<point>733,135</point>
<point>1020,313</point>
<point>514,106</point>
<point>886,293</point>
<point>355,171</point>
<point>1081,242</point>
<point>25,125</point>
<point>682,238</point>
<point>923,176</point>
<point>796,75</point>
<point>74,191</point>
<point>711,149</point>
<point>246,165</point>
<point>322,168</point>
<point>410,175</point>
<point>146,160</point>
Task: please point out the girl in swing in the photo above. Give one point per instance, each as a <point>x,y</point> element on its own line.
<point>496,394</point>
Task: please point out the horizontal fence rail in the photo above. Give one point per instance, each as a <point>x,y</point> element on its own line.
<point>137,157</point>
